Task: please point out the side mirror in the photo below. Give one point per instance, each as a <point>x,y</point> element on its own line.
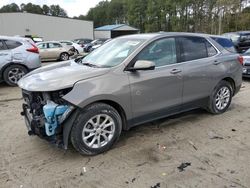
<point>142,65</point>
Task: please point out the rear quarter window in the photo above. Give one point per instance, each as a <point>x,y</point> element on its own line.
<point>225,43</point>
<point>11,44</point>
<point>193,48</point>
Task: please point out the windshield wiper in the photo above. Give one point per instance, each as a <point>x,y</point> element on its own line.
<point>90,65</point>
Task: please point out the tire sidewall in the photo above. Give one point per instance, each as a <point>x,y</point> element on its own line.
<point>64,53</point>
<point>84,116</point>
<point>214,109</point>
<point>8,69</point>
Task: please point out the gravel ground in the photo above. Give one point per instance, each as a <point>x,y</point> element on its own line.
<point>215,149</point>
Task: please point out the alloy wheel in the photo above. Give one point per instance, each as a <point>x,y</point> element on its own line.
<point>98,131</point>
<point>15,74</point>
<point>222,98</point>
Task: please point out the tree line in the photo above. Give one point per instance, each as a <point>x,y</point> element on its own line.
<point>205,16</point>
<point>53,10</point>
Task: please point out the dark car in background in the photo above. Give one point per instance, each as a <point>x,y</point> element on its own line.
<point>246,63</point>
<point>225,43</point>
<point>241,40</point>
<point>82,41</point>
<point>97,42</point>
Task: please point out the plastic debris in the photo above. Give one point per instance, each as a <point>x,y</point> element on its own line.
<point>192,144</point>
<point>84,169</point>
<point>164,174</point>
<point>213,135</point>
<point>183,166</point>
<point>156,185</point>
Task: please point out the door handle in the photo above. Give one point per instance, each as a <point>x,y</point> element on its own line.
<point>175,71</point>
<point>216,62</point>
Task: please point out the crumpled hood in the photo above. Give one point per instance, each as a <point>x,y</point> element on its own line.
<point>58,76</point>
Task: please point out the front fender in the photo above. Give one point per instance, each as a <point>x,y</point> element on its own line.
<point>109,87</point>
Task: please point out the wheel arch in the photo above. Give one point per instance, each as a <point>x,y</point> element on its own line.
<point>232,83</point>
<point>118,108</point>
<point>67,126</point>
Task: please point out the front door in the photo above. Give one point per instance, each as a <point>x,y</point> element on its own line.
<point>155,93</point>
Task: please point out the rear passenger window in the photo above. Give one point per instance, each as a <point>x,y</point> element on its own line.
<point>193,48</point>
<point>11,44</point>
<point>162,52</point>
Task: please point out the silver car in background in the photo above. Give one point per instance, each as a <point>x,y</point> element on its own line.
<point>18,56</point>
<point>126,82</point>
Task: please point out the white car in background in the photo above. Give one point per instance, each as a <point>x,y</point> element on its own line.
<point>18,56</point>
<point>77,47</point>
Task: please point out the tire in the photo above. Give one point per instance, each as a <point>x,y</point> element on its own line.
<point>221,98</point>
<point>64,56</point>
<point>86,124</point>
<point>13,73</point>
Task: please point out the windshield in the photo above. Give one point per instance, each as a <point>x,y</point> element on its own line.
<point>112,53</point>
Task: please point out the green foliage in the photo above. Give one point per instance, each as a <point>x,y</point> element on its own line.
<point>10,8</point>
<point>54,10</point>
<point>206,16</point>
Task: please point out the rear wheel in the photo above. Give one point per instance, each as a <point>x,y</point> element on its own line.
<point>64,56</point>
<point>13,73</point>
<point>96,129</point>
<point>221,98</point>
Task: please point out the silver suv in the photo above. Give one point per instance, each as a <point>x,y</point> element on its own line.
<point>126,82</point>
<point>17,57</point>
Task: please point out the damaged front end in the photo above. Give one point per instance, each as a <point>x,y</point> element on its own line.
<point>45,114</point>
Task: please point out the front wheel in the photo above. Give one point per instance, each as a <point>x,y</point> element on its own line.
<point>221,98</point>
<point>96,129</point>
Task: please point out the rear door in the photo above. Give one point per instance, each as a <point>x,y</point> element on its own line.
<point>157,92</point>
<point>200,67</point>
<point>54,50</point>
<point>16,50</point>
<point>5,54</point>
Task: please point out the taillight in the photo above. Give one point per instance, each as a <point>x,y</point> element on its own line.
<point>34,49</point>
<point>241,60</point>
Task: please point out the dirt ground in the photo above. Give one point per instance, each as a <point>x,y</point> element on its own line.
<point>218,148</point>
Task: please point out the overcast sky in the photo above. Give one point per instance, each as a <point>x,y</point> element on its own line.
<point>73,7</point>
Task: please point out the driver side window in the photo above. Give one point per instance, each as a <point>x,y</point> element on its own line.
<point>162,52</point>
